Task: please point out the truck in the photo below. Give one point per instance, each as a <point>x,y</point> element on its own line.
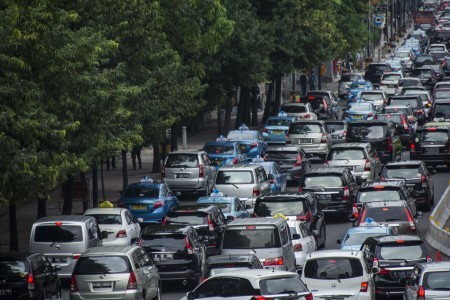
<point>423,17</point>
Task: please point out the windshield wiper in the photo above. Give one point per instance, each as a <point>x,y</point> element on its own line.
<point>51,245</point>
<point>336,278</point>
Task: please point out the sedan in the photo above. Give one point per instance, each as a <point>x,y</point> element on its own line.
<point>276,128</point>
<point>360,111</point>
<point>231,207</point>
<point>223,152</point>
<point>251,142</point>
<point>356,87</point>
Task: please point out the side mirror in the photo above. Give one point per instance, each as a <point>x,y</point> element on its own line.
<point>375,270</point>
<point>339,241</point>
<point>104,235</point>
<point>358,180</point>
<point>419,214</point>
<point>296,236</point>
<point>57,268</point>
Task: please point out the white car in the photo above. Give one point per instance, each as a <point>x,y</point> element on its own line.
<point>339,274</point>
<point>301,111</point>
<point>122,227</point>
<point>389,82</point>
<point>302,240</point>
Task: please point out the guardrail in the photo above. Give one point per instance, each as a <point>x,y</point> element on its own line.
<point>438,234</point>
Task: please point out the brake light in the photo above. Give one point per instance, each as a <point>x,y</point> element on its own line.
<point>235,161</point>
<point>253,145</point>
<point>420,293</point>
<point>369,115</point>
<point>309,297</point>
<point>288,139</point>
<point>324,138</point>
<point>73,284</point>
<point>201,171</point>
<point>265,130</point>
<point>163,172</point>
<point>431,129</point>
<point>420,112</point>
<point>275,261</point>
<point>375,262</point>
<point>132,283</point>
<point>307,116</point>
<point>429,258</point>
<point>345,115</point>
<point>384,271</point>
<point>210,224</point>
<point>305,217</point>
<point>325,163</point>
<point>355,211</point>
<point>30,281</point>
<point>300,189</point>
<point>389,142</point>
<point>258,298</point>
<point>345,133</point>
<point>121,234</point>
<point>298,247</point>
<point>405,125</point>
<point>367,165</point>
<point>346,194</point>
<point>256,191</point>
<point>412,147</point>
<point>157,204</point>
<point>165,220</point>
<point>382,178</point>
<point>298,163</point>
<point>423,179</point>
<point>76,256</point>
<point>364,286</point>
<point>188,246</point>
<point>410,219</point>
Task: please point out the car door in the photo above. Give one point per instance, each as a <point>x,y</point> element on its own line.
<point>133,228</point>
<point>44,277</point>
<point>262,180</point>
<point>309,239</point>
<point>150,272</point>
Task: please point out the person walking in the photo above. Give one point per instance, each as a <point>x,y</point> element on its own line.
<point>303,83</point>
<point>385,32</point>
<point>110,163</point>
<point>312,81</point>
<point>136,153</point>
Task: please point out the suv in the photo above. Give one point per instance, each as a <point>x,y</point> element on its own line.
<point>360,158</point>
<point>403,126</point>
<point>384,190</point>
<point>189,171</point>
<point>208,220</point>
<point>428,281</point>
<point>294,206</point>
<point>427,76</point>
<point>230,263</point>
<point>337,129</point>
<point>431,144</point>
<point>375,70</point>
<point>393,257</point>
<point>418,180</point>
<point>382,136</point>
<point>312,136</point>
<point>28,276</point>
<point>291,159</point>
<point>247,182</point>
<point>414,101</point>
<point>425,59</point>
<point>334,188</point>
<point>110,271</point>
<point>177,251</point>
<point>300,111</point>
<point>441,111</point>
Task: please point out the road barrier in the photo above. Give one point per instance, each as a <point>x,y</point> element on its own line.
<point>438,235</point>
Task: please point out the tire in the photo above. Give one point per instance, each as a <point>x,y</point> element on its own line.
<point>158,293</point>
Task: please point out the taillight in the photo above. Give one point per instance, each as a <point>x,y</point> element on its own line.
<point>389,142</point>
<point>265,130</point>
<point>288,139</point>
<point>369,115</point>
<point>298,163</point>
<point>309,297</point>
<point>203,279</point>
<point>364,286</point>
<point>345,115</point>
<point>346,194</point>
<point>384,271</point>
<point>325,163</point>
<point>420,112</point>
<point>140,242</point>
<point>423,178</point>
<point>410,219</point>
<point>235,161</point>
<point>324,138</point>
<point>210,224</point>
<point>132,283</point>
<point>120,204</point>
<point>256,191</point>
<point>76,256</point>
<point>188,246</point>
<point>345,133</point>
<point>355,211</point>
<point>429,258</point>
<point>253,145</point>
<point>258,298</point>
<point>375,262</point>
<point>30,281</point>
<point>298,247</point>
<point>157,204</point>
<point>307,116</point>
<point>300,189</point>
<point>163,172</point>
<point>367,165</point>
<point>73,284</point>
<point>165,220</point>
<point>306,217</point>
<point>121,234</point>
<point>420,293</point>
<point>405,125</point>
<point>412,147</point>
<point>201,171</point>
<point>276,261</point>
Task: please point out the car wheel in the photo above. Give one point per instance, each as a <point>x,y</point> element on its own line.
<point>323,234</point>
<point>158,293</point>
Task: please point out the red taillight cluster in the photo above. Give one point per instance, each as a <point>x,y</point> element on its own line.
<point>367,165</point>
<point>132,283</point>
<point>210,224</point>
<point>364,286</point>
<point>288,139</point>
<point>276,261</point>
<point>265,130</point>
<point>201,171</point>
<point>253,145</point>
<point>410,219</point>
<point>298,247</point>
<point>235,161</point>
<point>346,195</point>
<point>30,281</point>
<point>188,246</point>
<point>420,293</point>
<point>121,234</point>
<point>324,138</point>
<point>158,204</point>
<point>389,142</point>
<point>298,163</point>
<point>256,192</point>
<point>304,218</point>
<point>163,172</point>
<point>120,204</point>
<point>355,211</point>
<point>73,284</point>
<point>412,147</point>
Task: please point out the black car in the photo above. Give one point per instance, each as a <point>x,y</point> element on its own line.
<point>415,102</point>
<point>292,160</point>
<point>427,76</point>
<point>441,37</point>
<point>230,263</point>
<point>334,188</point>
<point>177,250</point>
<point>446,66</point>
<point>375,70</point>
<point>417,178</point>
<point>381,134</point>
<point>393,257</point>
<point>425,59</point>
<point>302,206</point>
<point>440,111</point>
<point>208,220</point>
<point>28,276</point>
<point>321,105</point>
<point>402,124</point>
<point>431,144</point>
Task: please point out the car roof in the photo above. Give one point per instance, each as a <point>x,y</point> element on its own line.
<point>369,122</point>
<point>351,145</point>
<point>434,266</point>
<point>256,221</point>
<point>165,229</point>
<point>220,259</point>
<point>363,229</point>
<point>144,184</point>
<point>284,148</point>
<point>294,104</point>
<point>404,162</point>
<point>293,195</point>
<point>187,151</point>
<point>239,167</point>
<point>216,199</point>
<point>335,122</point>
<point>327,170</point>
<point>193,208</point>
<point>222,142</point>
<point>386,203</point>
<point>64,218</point>
<point>334,253</point>
<point>104,211</point>
<point>320,122</point>
<point>393,183</point>
<point>395,238</point>
<point>108,250</point>
<point>255,275</point>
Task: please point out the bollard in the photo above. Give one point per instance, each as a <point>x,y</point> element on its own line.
<point>184,136</point>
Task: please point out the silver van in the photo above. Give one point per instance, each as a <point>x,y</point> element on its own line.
<point>428,281</point>
<point>62,239</point>
<point>115,272</point>
<point>268,238</point>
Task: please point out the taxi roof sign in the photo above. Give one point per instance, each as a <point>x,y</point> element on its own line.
<point>146,178</point>
<point>282,114</point>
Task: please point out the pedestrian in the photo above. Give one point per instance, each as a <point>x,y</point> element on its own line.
<point>303,83</point>
<point>312,81</point>
<point>110,163</point>
<point>385,32</point>
<point>136,153</point>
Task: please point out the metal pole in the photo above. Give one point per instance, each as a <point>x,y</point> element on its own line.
<point>184,137</point>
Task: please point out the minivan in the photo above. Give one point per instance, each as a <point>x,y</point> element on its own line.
<point>62,239</point>
<point>268,238</point>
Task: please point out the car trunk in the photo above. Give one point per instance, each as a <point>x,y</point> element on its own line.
<point>354,165</point>
<point>182,169</point>
<point>112,231</point>
<point>140,205</point>
<point>286,159</point>
<point>328,196</point>
<point>432,141</point>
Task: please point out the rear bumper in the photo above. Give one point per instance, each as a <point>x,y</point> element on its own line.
<point>127,295</point>
<point>188,274</point>
<point>433,160</point>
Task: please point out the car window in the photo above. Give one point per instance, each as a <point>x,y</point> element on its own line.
<point>347,154</point>
<point>288,208</point>
<point>332,268</point>
<point>274,286</point>
<point>367,131</point>
<point>178,160</point>
<point>251,237</point>
<point>207,289</point>
<point>386,214</point>
<point>432,136</point>
<point>146,260</point>
<point>436,280</point>
<point>206,160</point>
<point>107,219</point>
<point>400,251</point>
<point>325,181</point>
<point>358,238</point>
<point>305,128</point>
<point>233,177</point>
<point>278,122</point>
<point>101,265</point>
<point>402,171</point>
<point>335,126</point>
<point>304,231</point>
<point>284,235</point>
<point>405,102</point>
<point>219,149</point>
<point>229,287</point>
<point>240,135</point>
<point>442,110</point>
<point>37,264</point>
<point>281,155</point>
<point>60,234</point>
<point>13,268</point>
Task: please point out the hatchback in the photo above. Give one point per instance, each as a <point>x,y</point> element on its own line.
<point>377,97</point>
<point>431,144</point>
<point>374,72</point>
<point>405,82</point>
<point>354,237</point>
<point>345,82</point>
<point>321,104</point>
<point>356,87</point>
<point>229,263</point>
<point>357,111</point>
<point>292,160</point>
<point>428,281</point>
<point>301,111</point>
<point>441,111</point>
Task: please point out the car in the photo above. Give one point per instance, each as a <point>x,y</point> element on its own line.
<point>404,128</point>
<point>337,130</point>
<point>148,201</point>
<point>334,102</point>
<point>441,37</point>
<point>248,284</point>
<point>374,71</point>
<point>300,206</point>
<point>381,134</point>
<point>360,111</point>
<point>346,80</point>
<point>393,257</point>
<point>338,274</point>
<point>439,47</point>
<point>311,136</point>
<point>392,212</point>
<point>110,271</point>
<point>440,111</point>
<point>251,142</point>
<point>219,264</point>
<point>208,220</point>
<point>405,82</point>
<point>189,171</point>
<point>415,102</point>
<point>321,104</point>
<point>303,241</point>
<point>407,110</point>
<point>122,227</point>
<point>442,85</point>
<point>438,69</point>
<point>360,158</point>
<point>410,90</point>
<point>423,60</point>
<point>427,100</point>
<point>377,97</point>
<point>443,93</point>
<point>301,111</point>
<point>427,75</point>
<point>334,188</point>
<point>177,251</point>
<point>292,160</point>
<point>222,152</point>
<point>395,65</point>
<point>356,87</point>
<point>406,56</point>
<point>428,280</point>
<point>278,180</point>
<point>355,236</point>
<point>276,128</point>
<point>28,276</point>
<point>231,207</point>
<point>431,145</point>
<point>417,178</point>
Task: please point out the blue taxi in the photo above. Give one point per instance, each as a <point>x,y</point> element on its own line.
<point>230,206</point>
<point>278,179</point>
<point>357,86</point>
<point>354,237</point>
<point>223,152</point>
<point>276,128</point>
<point>251,142</point>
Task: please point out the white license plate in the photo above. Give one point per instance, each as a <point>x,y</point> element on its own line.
<point>334,136</point>
<point>183,175</point>
<point>59,259</point>
<point>163,256</point>
<point>431,150</point>
<point>305,141</point>
<point>323,196</point>
<point>102,285</point>
<point>5,292</point>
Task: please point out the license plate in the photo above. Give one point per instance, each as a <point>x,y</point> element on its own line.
<point>99,285</point>
<point>431,150</point>
<point>5,292</point>
<point>326,196</point>
<point>304,141</point>
<point>243,148</point>
<point>277,132</point>
<point>183,175</point>
<point>357,117</point>
<point>334,136</point>
<point>400,274</point>
<point>163,256</point>
<point>59,259</point>
<point>138,207</point>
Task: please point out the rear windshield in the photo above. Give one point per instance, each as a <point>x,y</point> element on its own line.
<point>102,265</point>
<point>405,102</point>
<point>371,96</point>
<point>108,219</point>
<point>187,218</point>
<point>386,213</point>
<point>441,94</point>
<point>356,239</point>
<point>422,59</point>
<point>443,34</point>
<point>324,181</point>
<point>281,155</point>
<point>251,237</point>
<point>358,85</point>
<point>219,149</point>
<point>278,122</point>
<point>401,54</point>
<point>401,251</point>
<point>350,77</point>
<point>402,172</point>
<point>439,55</point>
<point>377,195</point>
<point>408,82</point>
<point>392,77</point>
<point>271,208</point>
<point>378,67</point>
<point>336,127</point>
<point>224,207</point>
<point>347,154</point>
<point>358,107</point>
<point>181,160</point>
<point>393,118</point>
<point>436,280</point>
<point>228,268</point>
<point>432,136</point>
<point>333,268</point>
<point>284,285</point>
<point>60,234</point>
<point>442,111</point>
<point>397,110</point>
<point>305,128</point>
<point>171,241</point>
<point>367,131</point>
<point>142,192</point>
<point>294,109</point>
<point>10,267</point>
<point>418,72</point>
<point>234,177</point>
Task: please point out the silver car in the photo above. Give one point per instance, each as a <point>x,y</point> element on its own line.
<point>312,136</point>
<point>301,111</point>
<point>115,272</point>
<point>428,281</point>
<point>360,158</point>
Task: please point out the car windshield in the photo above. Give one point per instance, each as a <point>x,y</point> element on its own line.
<point>102,265</point>
<point>386,213</point>
<point>10,267</point>
<point>58,233</point>
<point>402,172</point>
<point>404,102</point>
<point>436,280</point>
<point>188,218</point>
<point>441,94</point>
<point>290,155</point>
<point>401,54</point>
<point>394,118</point>
<point>107,219</point>
<point>391,77</point>
<point>438,55</point>
<point>355,239</point>
<point>305,128</point>
<point>357,85</point>
<point>408,82</point>
<point>223,269</point>
<point>442,111</point>
<point>335,127</point>
<point>283,285</point>
<point>325,181</point>
<point>219,149</point>
<point>358,107</point>
<point>251,237</point>
<point>401,251</point>
<point>142,192</point>
<point>178,160</point>
<point>347,154</point>
<point>442,34</point>
<point>333,268</point>
<point>392,109</point>
<point>240,136</point>
<point>377,195</point>
<point>371,96</point>
<point>366,131</point>
<point>294,109</point>
<point>428,58</point>
<point>419,72</point>
<point>288,208</point>
<point>432,136</point>
<point>234,177</point>
<point>278,122</point>
<point>169,241</point>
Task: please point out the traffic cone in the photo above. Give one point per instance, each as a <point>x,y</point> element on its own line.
<point>438,256</point>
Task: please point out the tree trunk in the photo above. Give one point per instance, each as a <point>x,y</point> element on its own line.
<point>174,137</point>
<point>277,104</point>
<point>95,183</point>
<point>13,232</point>
<point>41,206</point>
<point>254,104</point>
<point>245,98</point>
<point>228,110</point>
<point>67,188</point>
<point>268,106</point>
<point>124,169</point>
<point>102,181</point>
<point>240,113</point>
<point>156,159</point>
<point>220,118</point>
<point>319,78</point>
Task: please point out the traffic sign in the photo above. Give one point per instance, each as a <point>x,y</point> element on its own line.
<point>378,20</point>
